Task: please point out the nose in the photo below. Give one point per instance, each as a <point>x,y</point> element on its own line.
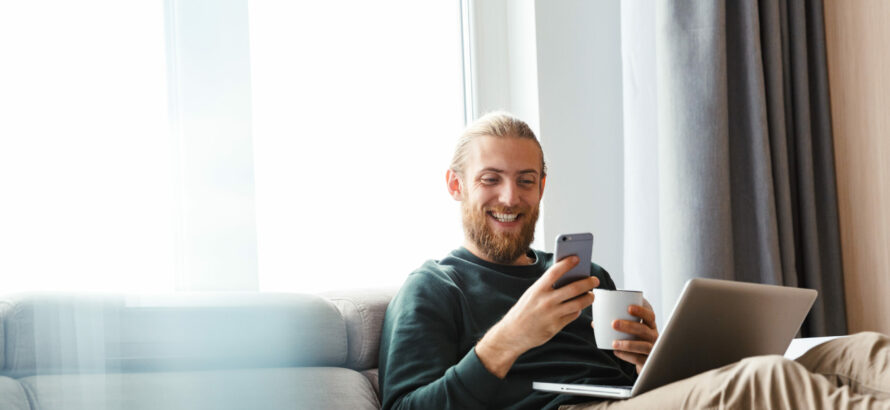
<point>509,195</point>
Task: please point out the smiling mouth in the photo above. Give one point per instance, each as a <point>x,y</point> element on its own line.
<point>502,217</point>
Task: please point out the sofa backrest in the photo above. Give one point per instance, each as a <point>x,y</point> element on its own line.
<point>75,333</point>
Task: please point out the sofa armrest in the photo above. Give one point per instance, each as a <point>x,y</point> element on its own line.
<point>363,312</point>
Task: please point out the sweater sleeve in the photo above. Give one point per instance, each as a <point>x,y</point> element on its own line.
<point>421,364</point>
<point>606,281</point>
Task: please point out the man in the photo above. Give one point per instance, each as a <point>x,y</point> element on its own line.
<point>474,329</point>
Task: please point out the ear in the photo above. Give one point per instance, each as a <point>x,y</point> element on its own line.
<point>543,182</point>
<point>455,188</point>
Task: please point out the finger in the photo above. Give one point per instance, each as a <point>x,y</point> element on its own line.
<point>557,270</point>
<point>576,288</point>
<point>647,314</point>
<point>633,358</point>
<point>564,320</point>
<point>637,329</point>
<point>632,346</point>
<point>578,304</point>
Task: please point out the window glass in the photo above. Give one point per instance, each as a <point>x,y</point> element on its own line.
<point>85,154</point>
<point>356,109</point>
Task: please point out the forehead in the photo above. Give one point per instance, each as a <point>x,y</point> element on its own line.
<point>506,153</point>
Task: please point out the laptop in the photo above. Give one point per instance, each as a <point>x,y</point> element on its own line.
<point>714,323</point>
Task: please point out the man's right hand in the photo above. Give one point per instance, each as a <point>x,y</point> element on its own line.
<point>539,314</point>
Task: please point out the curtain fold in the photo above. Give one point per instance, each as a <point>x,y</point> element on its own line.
<point>745,169</point>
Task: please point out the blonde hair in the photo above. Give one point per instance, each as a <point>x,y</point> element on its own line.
<point>494,124</point>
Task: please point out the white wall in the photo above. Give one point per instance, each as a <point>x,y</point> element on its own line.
<point>641,234</point>
<point>579,78</point>
<point>571,95</point>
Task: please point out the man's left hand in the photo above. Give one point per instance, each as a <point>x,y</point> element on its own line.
<point>636,351</point>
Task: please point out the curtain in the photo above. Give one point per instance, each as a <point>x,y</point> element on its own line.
<point>741,182</point>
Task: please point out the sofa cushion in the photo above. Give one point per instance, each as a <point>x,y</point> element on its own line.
<point>65,333</point>
<point>373,376</point>
<point>363,312</point>
<point>12,395</point>
<point>272,389</point>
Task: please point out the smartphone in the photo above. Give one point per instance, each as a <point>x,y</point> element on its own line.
<point>580,244</point>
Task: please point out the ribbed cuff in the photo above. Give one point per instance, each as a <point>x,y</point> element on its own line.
<point>476,379</point>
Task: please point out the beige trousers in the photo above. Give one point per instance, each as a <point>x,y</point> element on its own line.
<point>845,373</point>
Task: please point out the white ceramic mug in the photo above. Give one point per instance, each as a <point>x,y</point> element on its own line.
<point>608,306</point>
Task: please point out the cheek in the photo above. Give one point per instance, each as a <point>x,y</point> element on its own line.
<point>480,198</point>
<point>531,199</point>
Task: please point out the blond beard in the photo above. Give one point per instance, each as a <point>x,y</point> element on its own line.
<point>503,248</point>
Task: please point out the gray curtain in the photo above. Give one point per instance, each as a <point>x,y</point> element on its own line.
<point>746,186</point>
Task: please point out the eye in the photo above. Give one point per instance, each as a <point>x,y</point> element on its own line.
<point>489,180</point>
<point>527,182</point>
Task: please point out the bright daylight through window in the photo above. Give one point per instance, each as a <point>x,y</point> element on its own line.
<point>354,108</point>
<point>356,112</point>
<point>86,201</point>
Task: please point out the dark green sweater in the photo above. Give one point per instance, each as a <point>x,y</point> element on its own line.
<point>427,360</point>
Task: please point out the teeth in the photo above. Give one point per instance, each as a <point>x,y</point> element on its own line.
<point>504,217</point>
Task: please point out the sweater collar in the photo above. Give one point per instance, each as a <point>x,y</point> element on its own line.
<point>536,268</point>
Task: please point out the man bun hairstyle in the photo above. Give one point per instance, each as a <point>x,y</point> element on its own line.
<point>499,124</point>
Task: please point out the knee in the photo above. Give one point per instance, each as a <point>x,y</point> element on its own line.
<point>771,364</point>
<point>765,361</point>
<point>876,345</point>
<point>871,342</point>
<point>755,379</point>
<point>869,337</point>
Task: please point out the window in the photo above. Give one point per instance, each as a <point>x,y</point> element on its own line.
<point>356,109</point>
<point>86,201</point>
<point>139,142</point>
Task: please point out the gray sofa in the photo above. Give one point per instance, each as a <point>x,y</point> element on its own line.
<point>190,351</point>
<point>196,351</point>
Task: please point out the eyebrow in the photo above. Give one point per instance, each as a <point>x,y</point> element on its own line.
<point>500,171</point>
